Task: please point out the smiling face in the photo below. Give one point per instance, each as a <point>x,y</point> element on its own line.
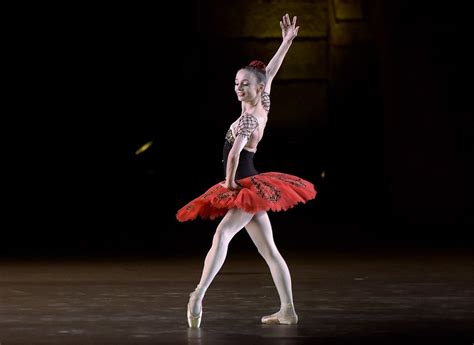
<point>246,86</point>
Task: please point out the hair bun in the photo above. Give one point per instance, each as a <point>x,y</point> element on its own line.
<point>258,65</point>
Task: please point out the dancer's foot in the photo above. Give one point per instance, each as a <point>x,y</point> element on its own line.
<point>286,316</point>
<point>194,310</point>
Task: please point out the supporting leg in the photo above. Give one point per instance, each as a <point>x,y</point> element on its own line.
<point>260,231</point>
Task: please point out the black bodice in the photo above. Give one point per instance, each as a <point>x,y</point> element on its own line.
<point>246,166</point>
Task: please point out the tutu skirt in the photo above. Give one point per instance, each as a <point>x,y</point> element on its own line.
<point>262,192</point>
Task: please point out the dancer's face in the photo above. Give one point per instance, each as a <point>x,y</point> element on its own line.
<point>246,86</point>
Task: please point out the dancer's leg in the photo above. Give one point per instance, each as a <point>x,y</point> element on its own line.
<point>260,231</point>
<point>234,220</point>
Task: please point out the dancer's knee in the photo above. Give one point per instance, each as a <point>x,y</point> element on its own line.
<point>269,254</point>
<point>222,236</point>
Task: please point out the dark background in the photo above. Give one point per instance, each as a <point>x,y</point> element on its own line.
<point>397,151</point>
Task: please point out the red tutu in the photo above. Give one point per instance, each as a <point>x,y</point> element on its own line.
<point>266,191</point>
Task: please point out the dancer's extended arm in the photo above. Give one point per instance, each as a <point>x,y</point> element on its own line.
<point>289,31</point>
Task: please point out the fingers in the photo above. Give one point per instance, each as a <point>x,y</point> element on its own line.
<point>287,22</point>
<point>281,25</point>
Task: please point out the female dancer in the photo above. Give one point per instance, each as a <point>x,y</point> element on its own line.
<point>246,195</point>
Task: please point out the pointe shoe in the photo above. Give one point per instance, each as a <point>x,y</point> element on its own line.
<point>279,318</point>
<point>194,321</point>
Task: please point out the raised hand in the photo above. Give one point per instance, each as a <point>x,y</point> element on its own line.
<point>289,30</point>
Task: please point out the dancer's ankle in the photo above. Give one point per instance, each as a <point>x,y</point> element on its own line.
<point>199,292</point>
<point>195,302</point>
<point>287,308</point>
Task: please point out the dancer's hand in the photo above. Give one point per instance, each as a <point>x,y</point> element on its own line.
<point>289,30</point>
<point>233,186</point>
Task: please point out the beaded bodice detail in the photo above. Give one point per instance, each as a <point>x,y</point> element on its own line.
<point>229,137</point>
<point>266,101</point>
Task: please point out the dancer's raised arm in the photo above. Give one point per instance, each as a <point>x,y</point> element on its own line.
<point>289,31</point>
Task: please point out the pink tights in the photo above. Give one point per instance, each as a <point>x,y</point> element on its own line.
<point>260,230</point>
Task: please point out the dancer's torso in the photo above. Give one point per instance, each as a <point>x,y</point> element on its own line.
<point>246,165</point>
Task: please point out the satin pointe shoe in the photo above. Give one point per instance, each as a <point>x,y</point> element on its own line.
<point>194,321</point>
<point>286,316</point>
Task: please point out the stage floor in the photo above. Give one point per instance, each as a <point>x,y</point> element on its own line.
<point>416,297</point>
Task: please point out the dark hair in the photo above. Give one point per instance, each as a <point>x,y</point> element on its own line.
<point>258,68</point>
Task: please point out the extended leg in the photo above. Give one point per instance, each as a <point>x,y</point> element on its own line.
<point>230,225</point>
<point>260,231</point>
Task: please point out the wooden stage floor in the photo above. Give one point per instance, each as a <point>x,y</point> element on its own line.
<point>416,297</point>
